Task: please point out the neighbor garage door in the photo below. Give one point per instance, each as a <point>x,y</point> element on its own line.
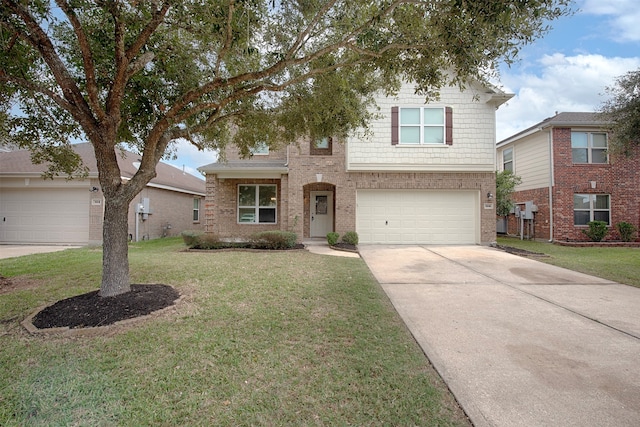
<point>417,216</point>
<point>44,216</point>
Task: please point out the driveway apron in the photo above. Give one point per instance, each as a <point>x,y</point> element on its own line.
<point>518,342</point>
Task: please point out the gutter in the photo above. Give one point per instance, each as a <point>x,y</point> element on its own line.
<point>551,180</point>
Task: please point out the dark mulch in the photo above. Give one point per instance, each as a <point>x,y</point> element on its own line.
<point>89,310</point>
<point>521,252</point>
<point>345,247</point>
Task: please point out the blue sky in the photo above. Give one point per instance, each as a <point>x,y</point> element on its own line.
<point>567,70</point>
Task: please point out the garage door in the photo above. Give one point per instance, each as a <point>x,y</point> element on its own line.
<point>417,216</point>
<point>44,216</point>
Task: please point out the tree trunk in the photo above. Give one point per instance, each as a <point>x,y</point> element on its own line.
<point>115,255</point>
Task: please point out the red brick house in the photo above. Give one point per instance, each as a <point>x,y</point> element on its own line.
<point>425,174</point>
<point>569,178</point>
<point>70,212</point>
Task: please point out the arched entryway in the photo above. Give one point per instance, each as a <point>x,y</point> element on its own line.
<point>319,209</point>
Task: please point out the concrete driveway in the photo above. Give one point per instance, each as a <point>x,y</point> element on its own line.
<point>10,251</point>
<point>519,342</point>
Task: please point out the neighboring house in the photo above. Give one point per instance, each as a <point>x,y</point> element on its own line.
<point>424,174</point>
<point>569,178</point>
<point>70,212</point>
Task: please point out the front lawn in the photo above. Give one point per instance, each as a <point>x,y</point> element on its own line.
<point>618,264</point>
<point>260,338</point>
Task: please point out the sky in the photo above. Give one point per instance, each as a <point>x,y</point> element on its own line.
<point>565,71</point>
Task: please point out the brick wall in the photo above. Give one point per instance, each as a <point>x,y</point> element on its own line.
<point>294,193</point>
<point>172,213</point>
<point>540,225</point>
<point>620,179</point>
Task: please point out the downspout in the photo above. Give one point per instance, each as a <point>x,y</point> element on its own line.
<point>551,180</point>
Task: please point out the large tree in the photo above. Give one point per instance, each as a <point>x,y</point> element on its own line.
<point>148,72</point>
<point>622,111</point>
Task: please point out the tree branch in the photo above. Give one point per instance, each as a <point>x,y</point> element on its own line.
<point>228,38</point>
<point>75,103</point>
<point>87,58</point>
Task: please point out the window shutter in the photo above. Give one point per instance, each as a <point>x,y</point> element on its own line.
<point>394,126</point>
<point>448,125</point>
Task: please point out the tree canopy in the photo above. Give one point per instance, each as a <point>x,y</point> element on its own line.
<point>506,183</point>
<point>148,72</point>
<point>622,110</point>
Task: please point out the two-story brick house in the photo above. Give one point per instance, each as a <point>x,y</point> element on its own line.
<point>424,174</point>
<point>570,177</point>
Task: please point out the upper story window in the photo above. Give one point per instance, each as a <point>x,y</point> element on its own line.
<point>196,209</point>
<point>590,207</point>
<point>507,159</point>
<point>257,204</point>
<point>589,147</point>
<point>261,149</point>
<point>321,147</point>
<point>421,126</point>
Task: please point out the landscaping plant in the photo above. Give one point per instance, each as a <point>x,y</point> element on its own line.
<point>597,230</point>
<point>627,231</point>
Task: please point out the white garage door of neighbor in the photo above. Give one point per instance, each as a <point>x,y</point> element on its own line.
<point>417,217</point>
<point>44,216</point>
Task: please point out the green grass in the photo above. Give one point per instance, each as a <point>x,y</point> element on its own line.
<point>269,338</point>
<point>618,264</point>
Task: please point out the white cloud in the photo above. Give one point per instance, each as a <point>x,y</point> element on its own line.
<point>623,17</point>
<point>563,83</point>
<point>190,158</point>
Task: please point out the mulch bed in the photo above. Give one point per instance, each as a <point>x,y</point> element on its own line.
<point>521,252</point>
<point>90,309</point>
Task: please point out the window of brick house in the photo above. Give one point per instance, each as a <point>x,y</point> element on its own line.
<point>257,204</point>
<point>261,149</point>
<point>421,126</point>
<point>196,210</point>
<point>321,147</point>
<point>507,159</point>
<point>589,147</point>
<point>591,207</point>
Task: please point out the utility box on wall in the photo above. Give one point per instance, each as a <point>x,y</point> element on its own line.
<point>144,208</point>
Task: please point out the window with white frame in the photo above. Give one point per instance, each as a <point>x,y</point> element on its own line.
<point>507,159</point>
<point>591,207</point>
<point>257,204</point>
<point>261,149</point>
<point>422,125</point>
<point>196,209</point>
<point>589,147</point>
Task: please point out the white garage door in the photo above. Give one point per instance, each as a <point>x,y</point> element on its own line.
<point>417,216</point>
<point>44,216</point>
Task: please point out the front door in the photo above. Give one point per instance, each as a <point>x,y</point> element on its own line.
<point>321,213</point>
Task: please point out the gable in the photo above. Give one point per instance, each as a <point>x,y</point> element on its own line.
<point>469,135</point>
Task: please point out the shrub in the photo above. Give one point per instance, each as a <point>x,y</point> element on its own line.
<point>332,238</point>
<point>597,230</point>
<point>190,237</point>
<point>274,240</point>
<point>350,237</point>
<point>627,231</point>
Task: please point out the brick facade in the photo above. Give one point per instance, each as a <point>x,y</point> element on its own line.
<point>304,177</point>
<point>620,179</point>
<point>171,214</point>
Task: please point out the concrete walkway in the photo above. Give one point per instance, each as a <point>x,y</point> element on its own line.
<point>519,342</point>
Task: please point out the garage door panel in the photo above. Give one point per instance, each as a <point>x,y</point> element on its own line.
<point>51,216</point>
<point>417,216</point>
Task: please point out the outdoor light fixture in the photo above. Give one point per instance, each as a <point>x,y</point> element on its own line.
<point>94,189</point>
<point>489,195</point>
